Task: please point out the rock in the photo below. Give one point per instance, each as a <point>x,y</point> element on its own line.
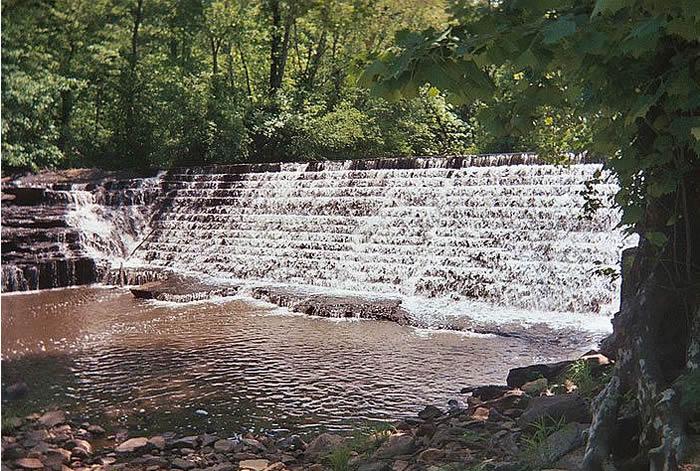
<point>560,443</point>
<point>53,418</point>
<point>515,399</point>
<point>207,439</point>
<point>16,391</point>
<point>488,392</point>
<point>29,463</point>
<point>278,466</point>
<point>431,455</point>
<point>96,430</point>
<point>157,442</point>
<point>400,465</point>
<point>224,446</point>
<point>180,463</point>
<point>253,465</point>
<point>291,443</point>
<point>78,444</point>
<point>221,467</point>
<point>397,444</point>
<point>107,460</point>
<point>80,453</point>
<point>430,413</point>
<point>481,413</point>
<point>570,407</point>
<point>374,466</point>
<point>253,443</point>
<point>322,445</point>
<point>186,442</point>
<point>536,387</point>
<point>551,371</point>
<point>13,452</point>
<point>133,445</point>
<point>315,467</point>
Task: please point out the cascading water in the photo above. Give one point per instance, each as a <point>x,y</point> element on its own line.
<point>64,234</point>
<point>501,229</point>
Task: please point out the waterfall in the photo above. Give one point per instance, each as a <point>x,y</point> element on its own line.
<point>503,229</point>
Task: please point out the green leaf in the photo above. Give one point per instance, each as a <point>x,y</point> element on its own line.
<point>695,132</point>
<point>657,239</point>
<point>663,187</point>
<point>558,30</point>
<point>609,6</point>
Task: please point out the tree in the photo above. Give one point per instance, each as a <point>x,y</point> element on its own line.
<point>633,68</point>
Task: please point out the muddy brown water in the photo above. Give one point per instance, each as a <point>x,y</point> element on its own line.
<point>235,364</point>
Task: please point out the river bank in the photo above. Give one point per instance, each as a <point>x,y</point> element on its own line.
<point>538,421</point>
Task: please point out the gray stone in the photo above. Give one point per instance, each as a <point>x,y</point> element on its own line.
<point>53,418</point>
<point>291,443</point>
<point>157,442</point>
<point>77,443</point>
<point>180,463</point>
<point>186,442</point>
<point>374,466</point>
<point>322,445</point>
<point>560,443</point>
<point>133,445</point>
<point>224,446</point>
<point>536,387</point>
<point>430,413</point>
<point>570,407</point>
<point>96,430</point>
<point>207,439</point>
<point>397,444</point>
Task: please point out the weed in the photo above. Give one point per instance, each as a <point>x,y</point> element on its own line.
<point>535,442</point>
<point>587,384</point>
<point>339,458</point>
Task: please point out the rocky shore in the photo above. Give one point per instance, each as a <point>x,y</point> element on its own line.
<point>539,420</point>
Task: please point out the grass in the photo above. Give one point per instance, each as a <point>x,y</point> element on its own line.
<point>535,446</point>
<point>363,441</point>
<point>587,384</point>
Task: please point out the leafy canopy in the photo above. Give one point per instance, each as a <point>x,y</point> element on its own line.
<point>631,67</point>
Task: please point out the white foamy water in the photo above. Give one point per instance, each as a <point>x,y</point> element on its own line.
<point>511,236</point>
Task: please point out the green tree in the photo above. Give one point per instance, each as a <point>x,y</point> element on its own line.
<point>633,68</point>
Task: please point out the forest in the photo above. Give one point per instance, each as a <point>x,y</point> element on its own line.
<point>156,83</point>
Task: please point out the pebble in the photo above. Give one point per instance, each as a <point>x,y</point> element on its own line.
<point>253,465</point>
<point>29,463</point>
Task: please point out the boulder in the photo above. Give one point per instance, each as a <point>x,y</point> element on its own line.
<point>253,465</point>
<point>536,387</point>
<point>133,445</point>
<point>570,407</point>
<point>430,413</point>
<point>291,443</point>
<point>53,418</point>
<point>560,443</point>
<point>551,371</point>
<point>395,445</point>
<point>322,446</point>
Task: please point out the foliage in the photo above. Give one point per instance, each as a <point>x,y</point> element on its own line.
<point>588,384</point>
<point>154,83</point>
<point>535,441</point>
<point>628,66</point>
<point>339,459</point>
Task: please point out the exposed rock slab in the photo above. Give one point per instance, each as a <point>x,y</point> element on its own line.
<point>181,289</point>
<point>334,306</point>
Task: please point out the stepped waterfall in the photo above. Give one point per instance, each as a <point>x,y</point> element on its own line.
<point>506,230</point>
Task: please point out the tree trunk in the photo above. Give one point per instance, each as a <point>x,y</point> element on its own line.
<point>279,44</point>
<point>657,332</point>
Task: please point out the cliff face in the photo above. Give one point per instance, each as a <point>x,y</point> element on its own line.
<point>68,228</point>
